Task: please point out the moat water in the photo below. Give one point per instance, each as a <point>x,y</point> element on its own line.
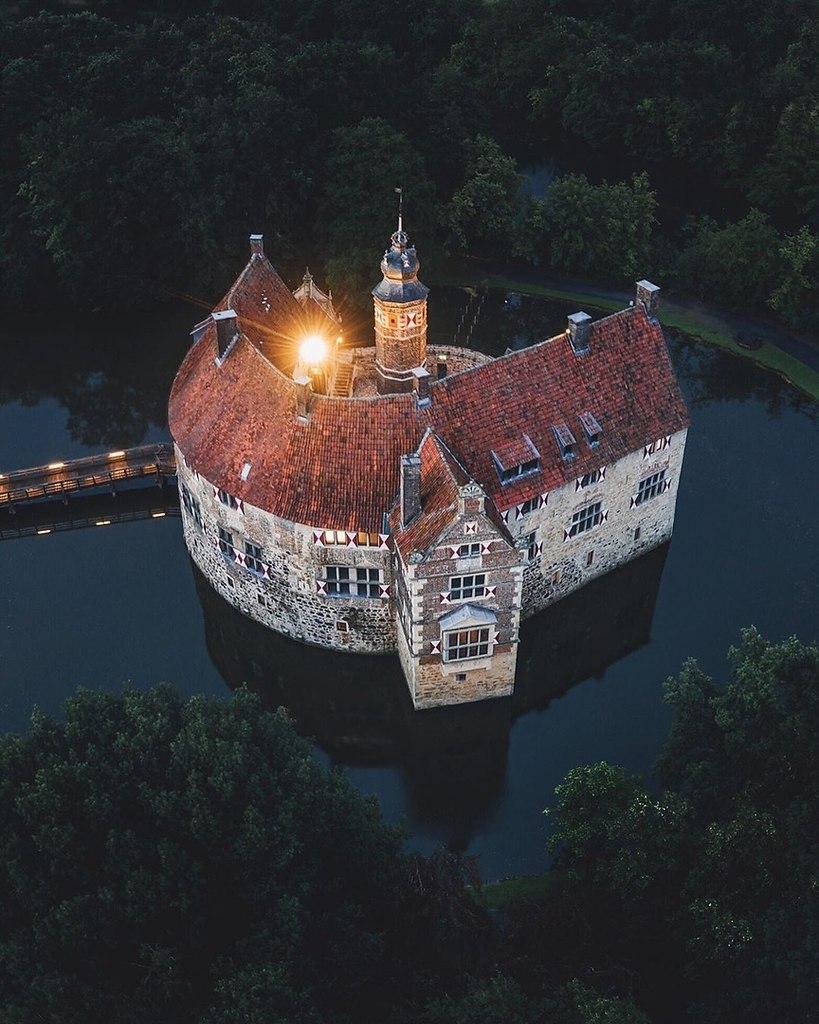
<point>104,606</point>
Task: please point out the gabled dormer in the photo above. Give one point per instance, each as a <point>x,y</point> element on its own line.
<point>516,459</point>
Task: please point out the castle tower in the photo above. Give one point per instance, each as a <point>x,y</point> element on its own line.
<point>400,317</point>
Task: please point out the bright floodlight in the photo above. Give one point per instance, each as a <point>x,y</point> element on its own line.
<point>313,350</point>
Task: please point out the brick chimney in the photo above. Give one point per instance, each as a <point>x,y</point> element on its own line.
<point>648,296</point>
<point>227,330</point>
<point>579,328</point>
<point>256,247</point>
<point>442,366</point>
<point>410,488</point>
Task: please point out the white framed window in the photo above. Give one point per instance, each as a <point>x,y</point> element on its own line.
<point>340,538</point>
<point>518,470</point>
<point>329,537</point>
<point>591,428</point>
<point>191,505</point>
<point>472,550</point>
<point>367,540</point>
<point>349,581</point>
<point>253,558</point>
<point>462,644</point>
<point>463,587</point>
<point>516,459</point>
<point>529,506</point>
<point>656,446</point>
<point>227,499</point>
<point>590,478</point>
<point>586,519</point>
<point>566,440</point>
<point>226,542</point>
<point>650,487</point>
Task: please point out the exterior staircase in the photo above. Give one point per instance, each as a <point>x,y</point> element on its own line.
<point>342,380</point>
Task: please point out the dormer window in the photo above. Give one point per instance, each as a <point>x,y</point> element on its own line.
<point>566,441</point>
<point>516,459</point>
<point>591,428</point>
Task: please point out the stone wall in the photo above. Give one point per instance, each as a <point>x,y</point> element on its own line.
<point>286,595</point>
<point>561,564</point>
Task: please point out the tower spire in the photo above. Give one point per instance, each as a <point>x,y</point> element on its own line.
<point>400,192</point>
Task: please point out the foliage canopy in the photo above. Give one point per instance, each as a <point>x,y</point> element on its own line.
<point>144,146</point>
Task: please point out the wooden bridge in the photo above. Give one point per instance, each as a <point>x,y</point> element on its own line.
<point>42,519</point>
<point>128,469</point>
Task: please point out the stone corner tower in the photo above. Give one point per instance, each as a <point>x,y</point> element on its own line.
<point>400,317</point>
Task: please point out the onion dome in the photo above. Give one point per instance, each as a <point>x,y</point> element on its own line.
<point>400,269</point>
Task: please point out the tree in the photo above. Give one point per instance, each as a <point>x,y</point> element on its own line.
<point>735,265</point>
<point>712,880</point>
<point>501,1000</point>
<point>795,297</point>
<point>161,859</point>
<point>603,230</point>
<point>484,212</point>
<point>358,209</point>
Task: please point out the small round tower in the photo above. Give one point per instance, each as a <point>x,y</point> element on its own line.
<point>400,317</point>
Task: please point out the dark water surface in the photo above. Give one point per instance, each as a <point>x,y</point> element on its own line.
<point>103,606</point>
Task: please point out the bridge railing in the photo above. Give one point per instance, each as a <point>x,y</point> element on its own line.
<point>58,478</point>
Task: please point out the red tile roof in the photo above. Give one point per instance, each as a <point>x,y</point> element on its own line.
<point>269,313</point>
<point>340,469</point>
<point>441,476</point>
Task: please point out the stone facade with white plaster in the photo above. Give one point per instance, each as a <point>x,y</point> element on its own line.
<point>283,588</point>
<point>413,501</point>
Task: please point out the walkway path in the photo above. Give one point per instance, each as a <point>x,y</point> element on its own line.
<point>794,355</point>
<point>58,480</point>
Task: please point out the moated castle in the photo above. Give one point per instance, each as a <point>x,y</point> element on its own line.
<point>413,498</point>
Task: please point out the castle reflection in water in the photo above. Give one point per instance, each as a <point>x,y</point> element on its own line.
<point>452,759</point>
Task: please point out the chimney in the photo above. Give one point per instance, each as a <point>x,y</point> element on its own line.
<point>421,381</point>
<point>256,247</point>
<point>579,329</point>
<point>303,395</point>
<point>442,369</point>
<point>648,296</point>
<point>227,330</point>
<point>410,488</point>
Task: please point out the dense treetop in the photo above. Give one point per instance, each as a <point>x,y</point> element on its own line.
<point>171,861</point>
<point>143,145</point>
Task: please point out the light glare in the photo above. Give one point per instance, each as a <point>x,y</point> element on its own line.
<point>313,350</point>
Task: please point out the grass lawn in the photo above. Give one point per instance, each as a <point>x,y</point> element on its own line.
<point>497,895</point>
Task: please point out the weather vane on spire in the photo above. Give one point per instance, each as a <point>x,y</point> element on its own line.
<point>400,192</point>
